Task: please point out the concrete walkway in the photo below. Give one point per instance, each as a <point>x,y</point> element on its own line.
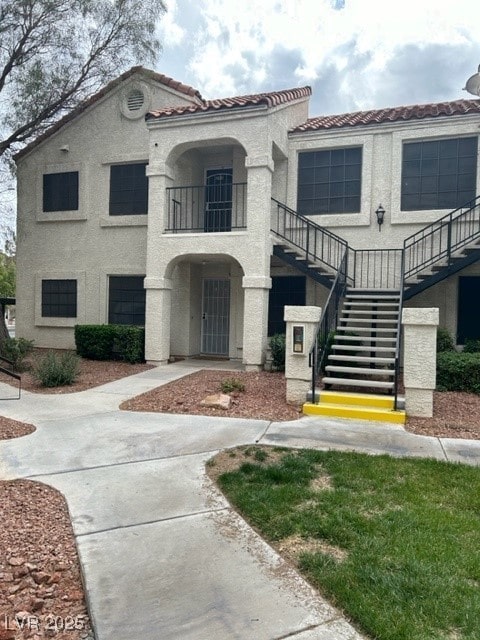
<point>163,554</point>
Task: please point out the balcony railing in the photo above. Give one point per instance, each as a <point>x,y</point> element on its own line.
<point>207,209</point>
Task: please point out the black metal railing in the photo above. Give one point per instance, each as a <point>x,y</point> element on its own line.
<point>11,374</point>
<point>376,268</point>
<point>207,209</point>
<point>398,344</point>
<point>316,244</point>
<point>440,240</point>
<point>328,322</point>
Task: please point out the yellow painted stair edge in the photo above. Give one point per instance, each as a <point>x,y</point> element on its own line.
<point>362,399</point>
<point>354,412</point>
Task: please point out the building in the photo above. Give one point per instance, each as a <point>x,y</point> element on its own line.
<point>201,218</point>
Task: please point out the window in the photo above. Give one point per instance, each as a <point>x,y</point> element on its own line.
<point>126,300</point>
<point>128,190</point>
<point>438,174</point>
<point>59,298</point>
<point>285,290</point>
<point>60,191</point>
<point>329,181</point>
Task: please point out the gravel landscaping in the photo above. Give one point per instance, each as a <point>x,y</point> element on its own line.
<point>39,570</point>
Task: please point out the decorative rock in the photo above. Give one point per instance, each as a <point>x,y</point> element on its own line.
<point>37,604</point>
<point>15,562</point>
<point>20,572</point>
<point>217,401</point>
<point>41,577</point>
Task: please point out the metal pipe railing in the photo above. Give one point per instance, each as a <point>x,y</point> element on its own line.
<point>206,209</point>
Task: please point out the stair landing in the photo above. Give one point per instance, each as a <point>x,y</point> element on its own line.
<point>355,406</point>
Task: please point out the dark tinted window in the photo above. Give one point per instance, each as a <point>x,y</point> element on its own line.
<point>126,300</point>
<point>330,181</point>
<point>59,298</point>
<point>60,191</point>
<point>128,190</point>
<point>438,174</point>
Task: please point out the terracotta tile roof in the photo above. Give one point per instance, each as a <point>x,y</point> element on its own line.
<point>394,114</point>
<point>271,99</point>
<point>146,73</point>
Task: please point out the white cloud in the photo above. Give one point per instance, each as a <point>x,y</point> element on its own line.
<point>233,46</point>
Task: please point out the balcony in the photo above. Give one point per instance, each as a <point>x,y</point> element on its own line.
<point>216,207</point>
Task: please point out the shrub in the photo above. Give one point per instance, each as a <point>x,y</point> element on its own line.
<point>16,350</point>
<point>472,346</point>
<point>110,342</point>
<point>458,372</point>
<point>277,347</point>
<point>444,341</point>
<point>56,371</point>
<point>95,341</point>
<point>129,343</point>
<point>232,384</point>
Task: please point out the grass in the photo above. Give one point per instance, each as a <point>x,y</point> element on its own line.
<point>393,542</point>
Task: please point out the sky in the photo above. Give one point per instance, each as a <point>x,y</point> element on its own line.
<point>355,54</point>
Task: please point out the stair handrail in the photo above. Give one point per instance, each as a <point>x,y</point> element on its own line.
<point>398,343</point>
<point>328,322</point>
<point>302,238</point>
<point>11,374</point>
<point>468,214</point>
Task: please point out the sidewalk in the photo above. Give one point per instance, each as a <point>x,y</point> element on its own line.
<point>163,554</point>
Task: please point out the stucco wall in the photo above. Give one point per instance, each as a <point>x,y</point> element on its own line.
<point>87,241</point>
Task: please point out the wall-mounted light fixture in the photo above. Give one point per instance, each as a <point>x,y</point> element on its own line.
<point>380,213</point>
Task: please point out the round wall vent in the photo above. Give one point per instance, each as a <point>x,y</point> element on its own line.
<point>135,100</point>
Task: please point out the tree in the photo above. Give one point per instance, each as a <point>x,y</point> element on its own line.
<point>7,266</point>
<point>54,53</point>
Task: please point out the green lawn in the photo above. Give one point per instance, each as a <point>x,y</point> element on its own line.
<point>395,543</point>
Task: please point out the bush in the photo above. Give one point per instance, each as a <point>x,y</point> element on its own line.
<point>94,341</point>
<point>458,372</point>
<point>444,341</point>
<point>110,342</point>
<point>232,384</point>
<point>16,350</point>
<point>129,343</point>
<point>277,347</point>
<point>472,346</point>
<point>57,371</point>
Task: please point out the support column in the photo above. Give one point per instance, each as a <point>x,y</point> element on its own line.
<point>297,372</point>
<point>419,359</point>
<point>158,288</point>
<point>259,205</point>
<point>157,320</point>
<point>255,321</point>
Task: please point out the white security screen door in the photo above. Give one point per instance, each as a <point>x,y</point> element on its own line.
<point>216,316</point>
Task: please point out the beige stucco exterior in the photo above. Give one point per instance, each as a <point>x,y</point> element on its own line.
<point>254,142</point>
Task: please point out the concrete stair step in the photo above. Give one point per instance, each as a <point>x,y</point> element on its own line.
<point>359,371</point>
<point>393,321</point>
<point>369,312</point>
<point>366,329</point>
<point>351,382</point>
<point>354,412</point>
<point>361,348</point>
<point>371,359</point>
<point>364,338</point>
<point>368,303</point>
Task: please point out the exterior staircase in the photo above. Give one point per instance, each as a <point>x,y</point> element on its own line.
<point>357,346</point>
<point>364,344</point>
<point>363,360</point>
